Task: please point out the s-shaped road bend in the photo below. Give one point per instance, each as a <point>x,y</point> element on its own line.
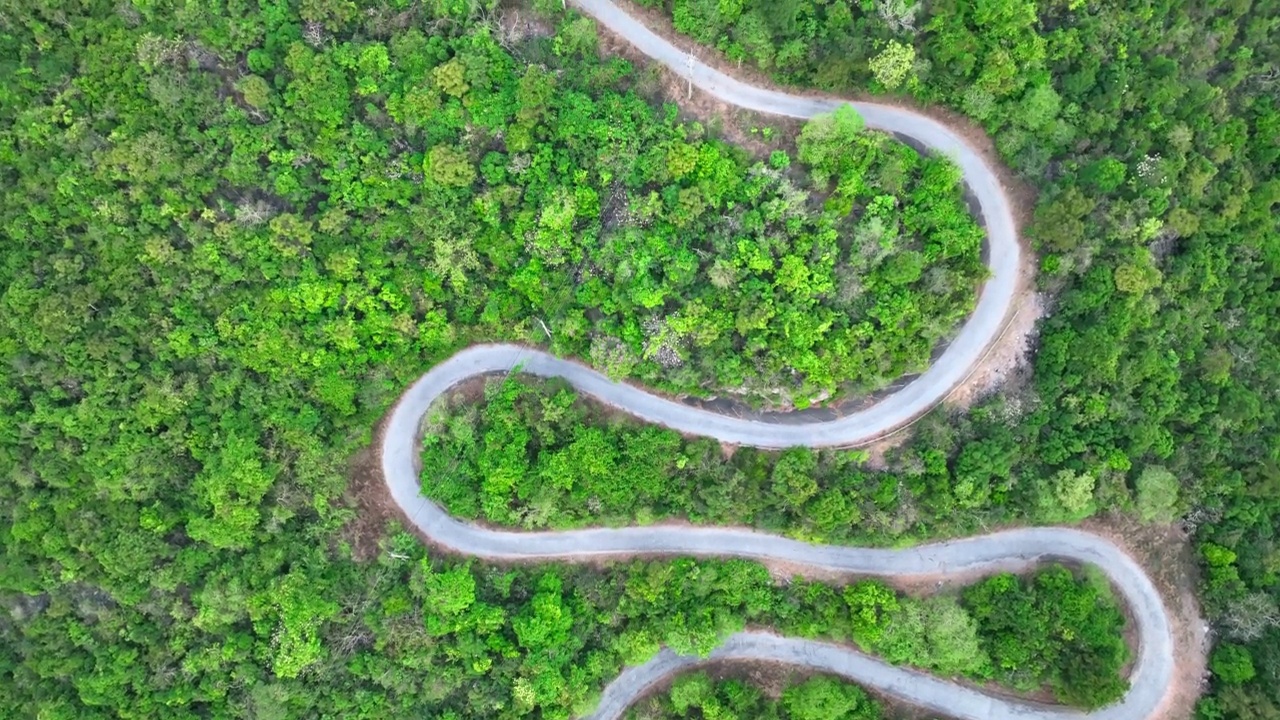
<point>1152,673</point>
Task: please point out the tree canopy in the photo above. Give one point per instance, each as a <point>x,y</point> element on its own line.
<point>234,232</point>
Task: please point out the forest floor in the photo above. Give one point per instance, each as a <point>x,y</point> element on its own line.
<point>374,508</point>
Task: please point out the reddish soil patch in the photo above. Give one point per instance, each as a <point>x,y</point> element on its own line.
<point>878,450</point>
<point>1006,364</point>
<point>1165,553</point>
<point>374,508</point>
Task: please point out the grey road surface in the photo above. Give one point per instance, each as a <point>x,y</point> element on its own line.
<point>1004,254</point>
<point>1011,550</point>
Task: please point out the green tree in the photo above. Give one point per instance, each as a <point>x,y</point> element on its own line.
<point>300,611</point>
<point>691,691</point>
<point>953,645</point>
<point>825,698</point>
<point>446,596</point>
<point>871,605</point>
<point>450,166</point>
<point>371,68</point>
<point>255,91</point>
<point>893,65</point>
<point>450,77</point>
<point>827,142</point>
<point>1232,664</point>
<point>1106,174</point>
<point>793,477</point>
<point>545,622</point>
<point>1157,491</point>
<point>332,14</point>
<point>1139,275</point>
<point>1068,496</point>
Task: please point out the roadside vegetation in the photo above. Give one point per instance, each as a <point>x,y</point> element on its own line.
<point>534,454</point>
<point>696,695</point>
<point>1152,133</point>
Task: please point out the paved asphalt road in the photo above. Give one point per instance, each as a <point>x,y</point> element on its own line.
<point>1003,252</point>
<point>1010,550</point>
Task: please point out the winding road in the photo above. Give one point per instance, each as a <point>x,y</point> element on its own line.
<point>1153,670</point>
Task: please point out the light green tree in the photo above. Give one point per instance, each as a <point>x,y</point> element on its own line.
<point>449,592</point>
<point>576,37</point>
<point>825,698</point>
<point>691,691</point>
<point>870,606</point>
<point>371,67</point>
<point>893,65</point>
<point>1232,664</point>
<point>952,638</point>
<point>828,141</point>
<point>545,622</point>
<point>1039,107</point>
<point>255,91</point>
<point>637,646</point>
<point>450,166</point>
<point>1157,494</point>
<point>793,477</point>
<point>1139,275</point>
<point>451,78</point>
<point>301,610</point>
<point>1074,491</point>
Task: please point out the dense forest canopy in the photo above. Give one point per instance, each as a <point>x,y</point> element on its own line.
<point>1152,130</point>
<point>233,231</point>
<point>534,454</point>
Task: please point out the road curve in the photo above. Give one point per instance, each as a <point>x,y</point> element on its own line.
<point>1004,254</point>
<point>1011,550</point>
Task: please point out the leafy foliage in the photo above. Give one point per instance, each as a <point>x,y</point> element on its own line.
<point>535,455</point>
<point>696,695</point>
<point>1150,132</point>
<point>1052,629</point>
<point>212,286</point>
<point>572,467</point>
